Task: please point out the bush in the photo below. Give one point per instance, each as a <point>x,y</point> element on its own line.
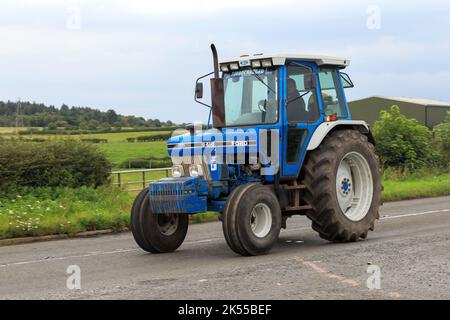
<point>404,143</point>
<point>442,138</point>
<point>62,163</point>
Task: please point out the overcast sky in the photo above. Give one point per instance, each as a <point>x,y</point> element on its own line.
<point>142,57</point>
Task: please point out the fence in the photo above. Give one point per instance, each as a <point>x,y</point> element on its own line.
<point>120,177</point>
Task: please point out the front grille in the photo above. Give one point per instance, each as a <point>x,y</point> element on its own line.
<point>176,195</point>
<point>167,196</point>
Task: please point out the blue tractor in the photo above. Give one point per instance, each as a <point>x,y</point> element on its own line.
<point>282,143</point>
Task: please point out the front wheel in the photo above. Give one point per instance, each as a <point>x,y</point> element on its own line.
<point>156,233</point>
<point>252,219</point>
<point>342,180</point>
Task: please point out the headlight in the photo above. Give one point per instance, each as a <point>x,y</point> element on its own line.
<point>195,170</point>
<point>177,171</point>
<point>256,64</point>
<point>234,66</point>
<point>266,63</point>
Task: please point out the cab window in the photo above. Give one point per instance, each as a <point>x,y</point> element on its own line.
<point>333,101</point>
<point>301,103</point>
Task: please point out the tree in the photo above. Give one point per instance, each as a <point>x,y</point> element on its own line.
<point>93,125</point>
<point>111,116</point>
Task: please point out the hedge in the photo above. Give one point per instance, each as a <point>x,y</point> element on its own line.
<point>62,163</point>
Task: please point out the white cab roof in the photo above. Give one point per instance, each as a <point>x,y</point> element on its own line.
<point>280,59</point>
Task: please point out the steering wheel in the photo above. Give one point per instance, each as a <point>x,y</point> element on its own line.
<point>262,105</point>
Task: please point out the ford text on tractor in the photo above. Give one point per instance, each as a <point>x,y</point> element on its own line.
<point>282,143</point>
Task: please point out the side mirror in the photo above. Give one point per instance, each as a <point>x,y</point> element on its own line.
<point>218,102</point>
<point>199,90</point>
<point>309,81</point>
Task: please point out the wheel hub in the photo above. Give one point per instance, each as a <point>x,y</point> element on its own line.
<point>261,220</point>
<point>168,223</point>
<point>346,186</point>
<point>354,186</point>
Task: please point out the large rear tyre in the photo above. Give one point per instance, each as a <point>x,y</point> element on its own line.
<point>252,219</point>
<point>342,180</point>
<point>156,233</point>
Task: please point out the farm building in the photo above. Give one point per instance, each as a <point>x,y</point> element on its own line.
<point>426,111</point>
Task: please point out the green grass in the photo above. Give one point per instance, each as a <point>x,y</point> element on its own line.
<point>12,130</point>
<point>416,187</point>
<point>69,211</point>
<point>63,211</point>
<point>122,151</point>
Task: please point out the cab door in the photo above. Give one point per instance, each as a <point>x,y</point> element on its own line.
<point>301,114</point>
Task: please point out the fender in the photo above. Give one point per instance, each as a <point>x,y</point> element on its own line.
<point>324,128</point>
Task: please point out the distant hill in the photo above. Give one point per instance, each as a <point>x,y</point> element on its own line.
<point>39,115</point>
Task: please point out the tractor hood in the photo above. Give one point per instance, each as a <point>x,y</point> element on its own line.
<point>227,141</point>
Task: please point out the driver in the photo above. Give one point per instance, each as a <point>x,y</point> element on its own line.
<point>296,107</point>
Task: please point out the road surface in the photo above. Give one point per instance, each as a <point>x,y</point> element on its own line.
<point>410,245</point>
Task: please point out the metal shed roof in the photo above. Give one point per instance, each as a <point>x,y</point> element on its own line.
<point>419,101</point>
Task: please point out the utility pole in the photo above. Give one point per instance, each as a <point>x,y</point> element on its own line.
<point>19,117</point>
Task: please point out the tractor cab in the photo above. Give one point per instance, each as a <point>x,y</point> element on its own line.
<point>292,94</point>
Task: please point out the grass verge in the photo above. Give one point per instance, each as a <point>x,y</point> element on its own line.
<point>412,187</point>
<point>47,211</point>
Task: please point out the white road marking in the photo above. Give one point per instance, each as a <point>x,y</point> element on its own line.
<point>415,214</point>
<point>91,254</point>
<point>98,253</point>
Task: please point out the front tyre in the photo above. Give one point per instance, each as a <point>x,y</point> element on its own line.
<point>342,180</point>
<point>252,219</point>
<point>157,233</point>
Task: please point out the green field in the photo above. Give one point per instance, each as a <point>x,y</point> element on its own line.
<point>111,137</point>
<point>12,130</point>
<point>118,150</point>
<point>121,151</point>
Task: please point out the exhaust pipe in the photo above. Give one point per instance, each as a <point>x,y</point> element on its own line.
<point>215,61</point>
<point>217,94</point>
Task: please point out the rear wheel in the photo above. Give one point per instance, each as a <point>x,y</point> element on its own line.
<point>342,180</point>
<point>252,219</point>
<point>156,233</point>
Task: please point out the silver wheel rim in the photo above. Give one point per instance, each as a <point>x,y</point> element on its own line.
<point>354,186</point>
<point>261,220</point>
<point>168,223</point>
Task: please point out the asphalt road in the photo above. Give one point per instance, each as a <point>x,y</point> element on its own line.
<point>410,245</point>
